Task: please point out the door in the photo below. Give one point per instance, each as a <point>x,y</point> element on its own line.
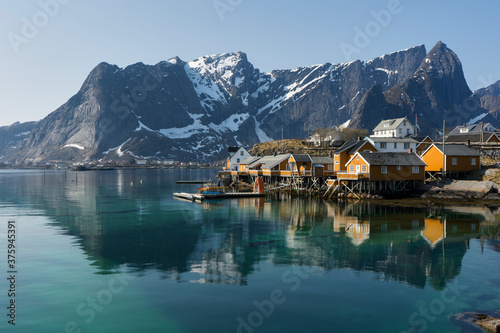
<point>358,168</point>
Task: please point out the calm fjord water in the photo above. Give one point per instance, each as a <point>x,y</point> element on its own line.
<point>96,253</point>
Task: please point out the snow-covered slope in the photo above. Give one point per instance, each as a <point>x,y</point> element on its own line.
<point>194,110</point>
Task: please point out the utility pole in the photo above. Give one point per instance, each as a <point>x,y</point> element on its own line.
<point>444,153</point>
<point>282,143</point>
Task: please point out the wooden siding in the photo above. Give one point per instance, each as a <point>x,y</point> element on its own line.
<point>374,172</point>
<point>493,139</point>
<point>434,160</point>
<point>404,173</point>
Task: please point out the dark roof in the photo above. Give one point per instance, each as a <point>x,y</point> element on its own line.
<point>250,159</point>
<point>419,139</point>
<point>268,162</point>
<point>472,137</point>
<point>384,139</point>
<point>403,159</point>
<point>357,147</point>
<point>389,124</point>
<point>346,146</point>
<point>469,129</point>
<point>457,150</point>
<point>301,158</point>
<point>232,149</point>
<point>322,160</point>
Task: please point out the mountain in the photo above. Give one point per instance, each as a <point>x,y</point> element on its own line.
<point>195,110</point>
<point>12,137</point>
<point>437,91</point>
<point>490,99</point>
<point>192,111</point>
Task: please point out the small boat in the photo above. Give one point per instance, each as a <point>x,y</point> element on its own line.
<point>211,189</point>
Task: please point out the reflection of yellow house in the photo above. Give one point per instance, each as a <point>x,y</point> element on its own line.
<point>358,231</point>
<point>434,231</point>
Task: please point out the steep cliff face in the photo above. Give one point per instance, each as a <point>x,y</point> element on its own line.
<point>437,91</point>
<point>195,110</point>
<point>490,100</point>
<point>12,138</point>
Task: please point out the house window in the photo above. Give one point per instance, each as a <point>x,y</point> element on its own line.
<point>415,169</point>
<point>351,168</point>
<point>454,161</point>
<point>383,145</point>
<point>407,131</point>
<point>363,168</point>
<point>357,158</point>
<point>473,161</point>
<point>383,169</point>
<point>242,153</point>
<point>407,145</point>
<point>336,162</point>
<point>398,167</point>
<point>400,131</point>
<point>237,160</point>
<point>464,130</point>
<point>395,145</point>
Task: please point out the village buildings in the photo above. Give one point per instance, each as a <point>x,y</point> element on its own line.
<point>392,159</point>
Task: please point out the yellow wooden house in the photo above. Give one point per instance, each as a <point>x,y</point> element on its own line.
<point>384,167</point>
<point>348,150</point>
<point>458,158</point>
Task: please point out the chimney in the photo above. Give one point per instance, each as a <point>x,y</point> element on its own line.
<point>410,150</point>
<point>468,142</point>
<point>359,138</point>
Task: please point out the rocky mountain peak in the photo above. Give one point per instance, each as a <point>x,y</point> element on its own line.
<point>192,111</point>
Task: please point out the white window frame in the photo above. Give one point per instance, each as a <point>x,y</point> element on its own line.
<point>383,169</point>
<point>383,145</point>
<point>351,168</point>
<point>473,161</point>
<point>407,145</point>
<point>363,168</point>
<point>415,169</point>
<point>454,161</point>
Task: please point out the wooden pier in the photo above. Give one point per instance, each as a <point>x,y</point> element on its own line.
<point>201,197</point>
<point>199,181</point>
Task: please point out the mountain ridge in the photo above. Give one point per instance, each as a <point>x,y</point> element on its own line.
<point>194,110</point>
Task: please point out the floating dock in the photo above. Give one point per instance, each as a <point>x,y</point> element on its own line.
<point>201,197</point>
<point>199,181</point>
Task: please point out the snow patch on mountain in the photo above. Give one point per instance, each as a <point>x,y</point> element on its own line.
<point>231,124</point>
<point>74,145</point>
<point>263,137</point>
<point>186,132</point>
<point>476,119</point>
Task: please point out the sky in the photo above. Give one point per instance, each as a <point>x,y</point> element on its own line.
<point>48,47</point>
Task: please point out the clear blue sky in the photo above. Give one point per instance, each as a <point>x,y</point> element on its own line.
<point>72,38</point>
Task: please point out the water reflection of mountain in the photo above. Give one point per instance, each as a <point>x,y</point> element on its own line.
<point>222,242</point>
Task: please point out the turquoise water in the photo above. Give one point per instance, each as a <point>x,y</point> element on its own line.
<point>96,253</point>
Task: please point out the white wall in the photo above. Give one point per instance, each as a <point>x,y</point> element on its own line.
<point>399,149</point>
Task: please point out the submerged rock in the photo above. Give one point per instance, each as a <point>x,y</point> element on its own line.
<point>476,322</point>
